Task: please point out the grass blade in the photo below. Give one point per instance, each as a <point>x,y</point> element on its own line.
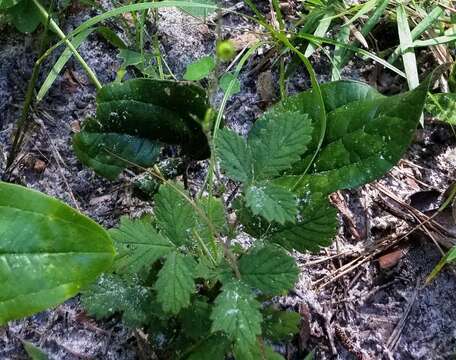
<point>406,45</point>
<point>320,31</point>
<point>60,63</point>
<point>339,52</point>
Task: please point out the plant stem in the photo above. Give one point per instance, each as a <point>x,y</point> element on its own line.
<point>54,27</point>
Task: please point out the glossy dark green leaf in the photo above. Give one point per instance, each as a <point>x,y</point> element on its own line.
<point>109,153</point>
<point>159,111</point>
<point>364,139</point>
<point>48,252</point>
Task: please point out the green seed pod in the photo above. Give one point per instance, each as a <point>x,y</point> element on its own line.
<point>225,50</point>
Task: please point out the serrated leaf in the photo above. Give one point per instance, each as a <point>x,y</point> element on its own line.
<point>234,155</point>
<point>274,203</point>
<point>237,314</point>
<point>174,214</point>
<point>108,154</point>
<point>175,283</point>
<point>115,294</point>
<point>213,348</point>
<point>34,352</point>
<point>269,269</point>
<point>199,69</point>
<point>215,212</point>
<point>442,107</point>
<point>277,140</point>
<point>225,82</point>
<point>48,252</point>
<point>138,245</point>
<point>316,227</point>
<point>280,325</point>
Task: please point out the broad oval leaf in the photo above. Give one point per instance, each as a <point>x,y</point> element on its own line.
<point>364,139</point>
<point>48,252</point>
<point>136,116</point>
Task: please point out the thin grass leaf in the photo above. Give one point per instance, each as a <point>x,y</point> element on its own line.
<point>339,52</point>
<point>365,8</point>
<point>60,63</point>
<point>321,30</point>
<point>439,40</point>
<point>434,15</point>
<point>381,6</point>
<point>406,44</point>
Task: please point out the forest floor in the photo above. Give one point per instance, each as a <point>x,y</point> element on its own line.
<point>379,309</point>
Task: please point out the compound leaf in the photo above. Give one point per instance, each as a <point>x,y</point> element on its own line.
<point>269,269</point>
<point>138,244</point>
<point>237,314</point>
<point>272,202</point>
<point>175,283</point>
<point>48,252</point>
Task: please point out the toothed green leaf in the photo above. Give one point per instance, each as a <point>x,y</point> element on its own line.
<point>175,283</point>
<point>269,269</point>
<point>274,203</point>
<point>174,214</point>
<point>280,325</point>
<point>234,155</point>
<point>237,314</point>
<point>113,294</point>
<point>138,245</point>
<point>277,140</point>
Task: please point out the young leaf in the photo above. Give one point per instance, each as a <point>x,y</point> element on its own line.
<point>277,140</point>
<point>269,269</point>
<point>237,314</point>
<point>234,155</point>
<point>175,283</point>
<point>406,46</point>
<point>199,69</point>
<point>138,245</point>
<point>48,252</point>
<point>274,203</point>
<point>174,214</point>
<point>225,83</point>
<point>115,294</point>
